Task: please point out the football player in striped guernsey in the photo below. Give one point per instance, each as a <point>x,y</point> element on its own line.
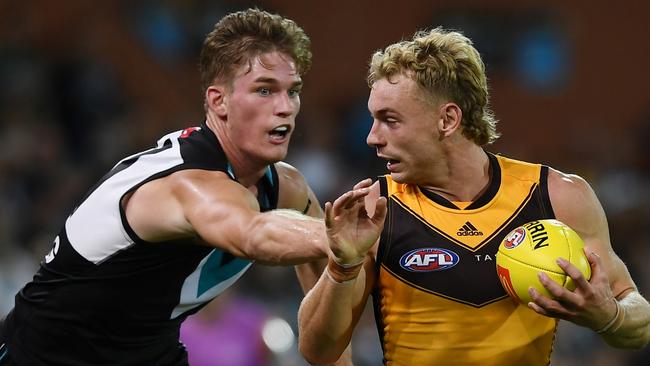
<point>168,229</point>
<point>436,294</point>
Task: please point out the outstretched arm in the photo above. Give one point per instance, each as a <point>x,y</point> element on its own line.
<point>221,213</point>
<point>609,302</point>
<point>331,310</point>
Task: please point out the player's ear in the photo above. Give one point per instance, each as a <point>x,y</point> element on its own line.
<point>450,117</point>
<point>215,99</point>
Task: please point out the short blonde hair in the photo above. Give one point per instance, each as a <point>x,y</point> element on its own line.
<point>445,64</point>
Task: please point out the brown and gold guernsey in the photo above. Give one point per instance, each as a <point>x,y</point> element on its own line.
<point>438,299</point>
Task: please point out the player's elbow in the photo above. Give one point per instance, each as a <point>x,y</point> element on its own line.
<point>316,355</point>
<point>314,350</point>
<point>310,357</point>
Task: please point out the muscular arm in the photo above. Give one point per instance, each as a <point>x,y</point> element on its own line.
<point>210,206</point>
<point>331,310</point>
<point>593,303</point>
<point>229,217</point>
<point>329,313</point>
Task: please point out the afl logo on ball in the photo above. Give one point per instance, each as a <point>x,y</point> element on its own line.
<point>515,238</point>
<point>428,260</point>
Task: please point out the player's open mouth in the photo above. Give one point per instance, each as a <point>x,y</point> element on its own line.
<point>391,163</point>
<point>280,133</point>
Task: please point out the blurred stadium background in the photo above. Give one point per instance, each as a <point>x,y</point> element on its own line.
<point>84,83</point>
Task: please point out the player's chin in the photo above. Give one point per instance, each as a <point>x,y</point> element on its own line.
<point>276,153</point>
<point>400,177</point>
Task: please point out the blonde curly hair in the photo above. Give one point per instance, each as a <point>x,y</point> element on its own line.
<point>445,64</point>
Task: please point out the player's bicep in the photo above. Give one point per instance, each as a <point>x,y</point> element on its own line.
<point>575,203</point>
<point>217,210</point>
<point>295,193</point>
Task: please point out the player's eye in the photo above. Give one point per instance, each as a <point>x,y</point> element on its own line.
<point>389,120</point>
<point>264,92</point>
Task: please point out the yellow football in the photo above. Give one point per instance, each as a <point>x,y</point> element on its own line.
<point>534,247</point>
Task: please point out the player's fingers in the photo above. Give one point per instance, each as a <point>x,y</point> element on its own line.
<point>553,287</point>
<point>328,214</point>
<point>536,308</point>
<point>549,306</point>
<point>362,211</point>
<point>561,294</point>
<point>380,211</point>
<point>538,299</point>
<point>542,311</point>
<point>363,184</point>
<point>356,197</point>
<point>351,203</point>
<point>563,303</point>
<point>596,263</point>
<point>342,201</point>
<point>573,272</point>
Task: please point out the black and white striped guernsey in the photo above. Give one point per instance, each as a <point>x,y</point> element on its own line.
<point>103,296</point>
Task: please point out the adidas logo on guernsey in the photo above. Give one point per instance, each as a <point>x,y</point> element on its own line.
<point>469,230</point>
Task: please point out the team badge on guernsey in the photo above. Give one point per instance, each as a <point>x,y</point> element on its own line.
<point>515,238</point>
<point>429,260</point>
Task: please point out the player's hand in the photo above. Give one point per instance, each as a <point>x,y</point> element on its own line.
<point>351,232</point>
<point>591,304</point>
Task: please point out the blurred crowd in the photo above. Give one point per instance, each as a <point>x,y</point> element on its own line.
<point>96,82</point>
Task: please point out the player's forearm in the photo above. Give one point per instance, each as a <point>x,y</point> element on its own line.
<point>326,320</point>
<point>309,273</point>
<point>284,237</point>
<point>634,330</point>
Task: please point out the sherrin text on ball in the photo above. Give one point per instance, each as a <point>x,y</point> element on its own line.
<point>535,247</point>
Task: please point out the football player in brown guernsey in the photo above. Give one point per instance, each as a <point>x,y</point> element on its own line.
<point>436,293</point>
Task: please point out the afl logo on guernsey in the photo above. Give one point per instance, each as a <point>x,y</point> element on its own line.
<point>429,260</point>
<point>515,238</point>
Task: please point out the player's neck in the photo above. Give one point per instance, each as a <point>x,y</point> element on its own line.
<point>247,171</point>
<point>465,176</point>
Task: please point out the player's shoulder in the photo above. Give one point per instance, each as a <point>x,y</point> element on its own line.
<point>566,185</point>
<point>573,200</point>
<point>293,190</point>
<point>519,169</point>
<point>288,170</point>
<point>191,176</point>
<point>202,183</point>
